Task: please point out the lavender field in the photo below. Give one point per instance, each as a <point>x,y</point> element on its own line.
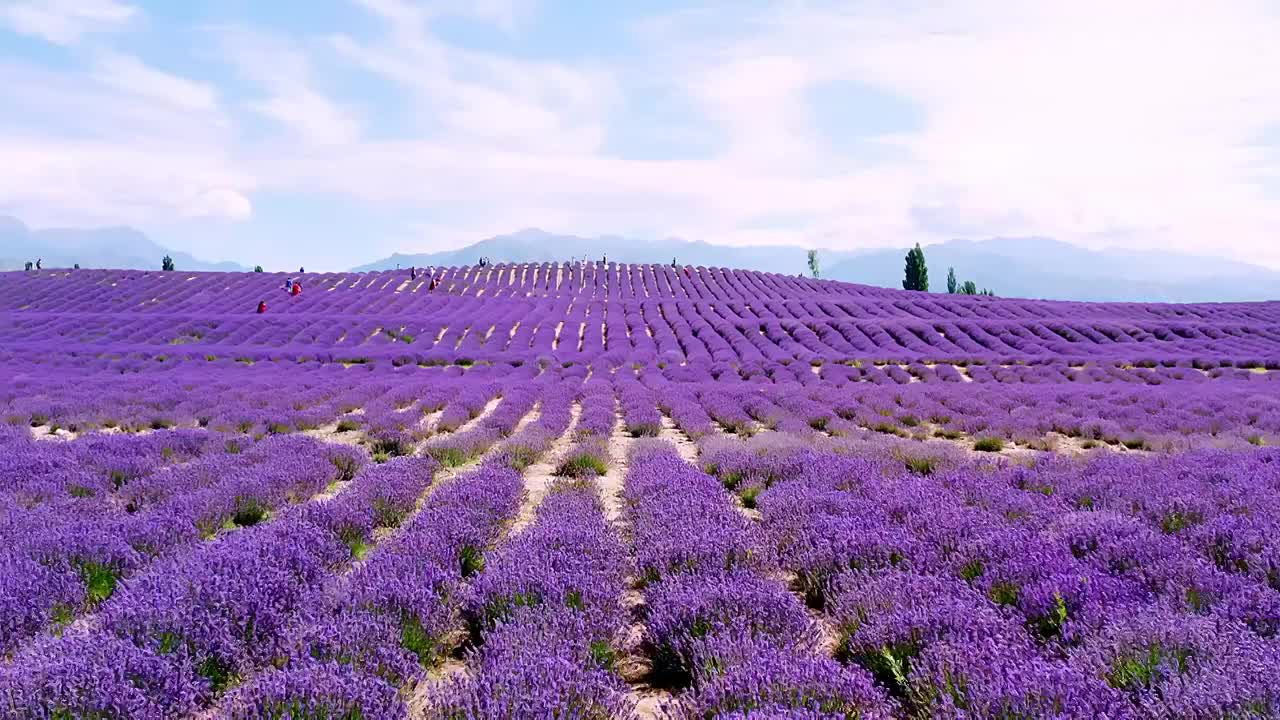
<point>630,491</point>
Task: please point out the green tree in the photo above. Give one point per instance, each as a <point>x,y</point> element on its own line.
<point>257,268</point>
<point>969,287</point>
<point>987,292</point>
<point>951,281</point>
<point>917,272</point>
<point>813,264</point>
<point>166,263</point>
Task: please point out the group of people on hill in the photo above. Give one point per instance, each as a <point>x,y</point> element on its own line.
<point>37,264</point>
<point>413,275</point>
<point>293,286</point>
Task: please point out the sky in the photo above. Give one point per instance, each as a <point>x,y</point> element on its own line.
<point>339,131</point>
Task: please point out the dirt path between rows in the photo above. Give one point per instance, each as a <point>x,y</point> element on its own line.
<point>539,476</point>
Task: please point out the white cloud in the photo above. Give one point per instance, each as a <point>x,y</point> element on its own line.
<point>484,99</point>
<point>81,150</point>
<point>222,203</point>
<point>1092,122</point>
<point>1078,120</point>
<point>63,22</point>
<point>282,72</point>
<point>130,75</point>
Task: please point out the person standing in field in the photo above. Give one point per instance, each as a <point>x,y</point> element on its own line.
<point>297,289</point>
<point>262,307</point>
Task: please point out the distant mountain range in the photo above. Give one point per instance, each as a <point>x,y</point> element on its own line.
<point>1011,267</point>
<point>533,245</point>
<point>1043,268</point>
<point>112,247</point>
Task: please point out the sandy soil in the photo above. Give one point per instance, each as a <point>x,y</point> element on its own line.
<point>610,483</point>
<point>329,434</point>
<point>539,476</point>
<point>41,432</point>
<point>687,448</point>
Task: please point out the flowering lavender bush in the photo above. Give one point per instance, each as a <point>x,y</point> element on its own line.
<point>893,505</point>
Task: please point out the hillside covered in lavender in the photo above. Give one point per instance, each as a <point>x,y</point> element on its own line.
<point>608,490</point>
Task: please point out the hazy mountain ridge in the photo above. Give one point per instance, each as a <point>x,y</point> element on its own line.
<point>1011,267</point>
<point>1044,268</point>
<point>110,247</point>
<point>533,245</point>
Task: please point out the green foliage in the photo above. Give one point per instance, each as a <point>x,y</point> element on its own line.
<point>249,512</point>
<point>917,272</point>
<point>1003,593</point>
<point>582,464</point>
<point>920,465</point>
<point>416,639</point>
<point>1049,625</point>
<point>1147,668</point>
<point>257,268</point>
<point>99,581</point>
<point>520,456</point>
<point>1175,521</point>
<point>448,456</point>
<point>813,264</point>
<point>166,264</point>
<point>988,444</point>
<point>471,561</point>
<point>951,281</point>
<point>644,429</point>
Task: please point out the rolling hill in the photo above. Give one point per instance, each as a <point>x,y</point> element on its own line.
<point>110,247</point>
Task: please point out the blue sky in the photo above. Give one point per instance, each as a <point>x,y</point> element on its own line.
<point>330,133</point>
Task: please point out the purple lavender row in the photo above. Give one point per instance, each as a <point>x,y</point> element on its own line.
<point>1149,418</point>
<point>716,623</point>
<point>47,483</point>
<point>932,592</point>
<point>555,414</point>
<point>681,404</point>
<point>736,331</point>
<point>639,407</point>
<point>363,644</point>
<point>54,574</point>
<point>1015,411</point>
<point>172,639</point>
<point>589,455</point>
<point>454,449</point>
<point>548,615</point>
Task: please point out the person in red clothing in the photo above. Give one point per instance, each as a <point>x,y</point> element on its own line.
<point>297,289</point>
<point>433,284</point>
<point>262,307</point>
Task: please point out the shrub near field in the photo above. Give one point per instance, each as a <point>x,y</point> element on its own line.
<point>617,490</point>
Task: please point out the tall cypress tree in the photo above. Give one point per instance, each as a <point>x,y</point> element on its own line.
<point>951,281</point>
<point>917,272</point>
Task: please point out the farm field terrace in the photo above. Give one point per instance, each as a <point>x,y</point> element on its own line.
<point>630,491</point>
